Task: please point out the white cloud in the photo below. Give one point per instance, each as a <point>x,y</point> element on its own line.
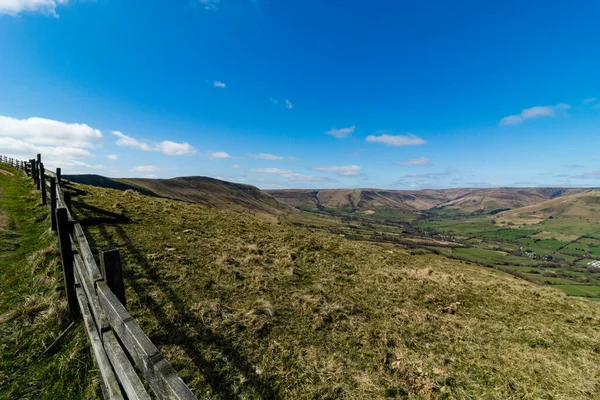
<point>113,157</point>
<point>218,154</point>
<point>286,173</point>
<point>61,144</point>
<point>235,166</point>
<point>52,156</point>
<point>219,84</point>
<point>589,100</point>
<point>48,132</point>
<point>147,168</point>
<point>127,141</point>
<point>14,7</point>
<point>166,147</point>
<point>274,101</point>
<point>416,161</point>
<point>288,104</point>
<point>175,149</point>
<point>343,170</point>
<point>396,140</point>
<point>266,156</point>
<point>341,133</point>
<point>534,112</point>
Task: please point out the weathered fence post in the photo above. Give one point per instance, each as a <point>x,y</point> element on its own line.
<point>37,169</point>
<point>32,166</point>
<point>67,196</point>
<point>43,179</point>
<point>58,172</point>
<point>112,271</point>
<point>62,223</point>
<point>53,202</point>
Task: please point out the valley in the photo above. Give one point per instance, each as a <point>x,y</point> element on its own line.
<point>549,236</point>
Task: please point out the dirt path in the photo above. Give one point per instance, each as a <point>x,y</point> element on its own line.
<point>3,172</point>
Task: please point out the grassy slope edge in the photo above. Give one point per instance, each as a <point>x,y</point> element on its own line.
<point>33,306</point>
<point>244,308</point>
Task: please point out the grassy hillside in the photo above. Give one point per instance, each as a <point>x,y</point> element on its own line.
<point>33,310</point>
<point>198,189</point>
<point>249,309</point>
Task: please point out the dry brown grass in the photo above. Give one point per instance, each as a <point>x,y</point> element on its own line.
<point>248,309</point>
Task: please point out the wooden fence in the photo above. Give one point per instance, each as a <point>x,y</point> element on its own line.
<point>97,295</point>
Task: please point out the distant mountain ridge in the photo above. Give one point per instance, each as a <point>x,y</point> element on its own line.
<point>466,200</point>
<point>196,189</point>
<point>272,203</point>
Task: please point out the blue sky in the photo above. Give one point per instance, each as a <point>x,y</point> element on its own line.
<point>306,94</point>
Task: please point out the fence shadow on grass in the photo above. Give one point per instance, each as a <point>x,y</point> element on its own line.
<point>213,372</point>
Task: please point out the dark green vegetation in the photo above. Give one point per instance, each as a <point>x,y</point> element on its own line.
<point>33,314</point>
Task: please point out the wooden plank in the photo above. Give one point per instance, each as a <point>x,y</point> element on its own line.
<point>37,170</point>
<point>50,173</point>
<point>58,176</point>
<point>132,386</point>
<point>112,271</point>
<point>160,375</point>
<point>43,184</point>
<point>86,254</point>
<point>60,199</point>
<point>53,202</point>
<point>62,224</point>
<point>33,171</point>
<point>67,197</point>
<point>90,290</point>
<point>108,376</point>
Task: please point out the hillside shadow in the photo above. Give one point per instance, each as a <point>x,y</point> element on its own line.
<point>215,373</point>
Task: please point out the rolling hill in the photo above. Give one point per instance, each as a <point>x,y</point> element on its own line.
<point>463,200</point>
<point>197,189</point>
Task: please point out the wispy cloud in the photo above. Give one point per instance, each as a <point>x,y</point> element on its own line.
<point>288,104</point>
<point>266,156</point>
<point>219,84</point>
<point>396,140</point>
<point>113,157</point>
<point>416,161</point>
<point>211,5</point>
<point>430,175</point>
<point>147,168</point>
<point>286,173</point>
<point>534,112</point>
<point>574,166</point>
<point>166,147</point>
<point>589,100</point>
<point>342,170</point>
<point>14,7</point>
<point>341,133</point>
<point>587,175</point>
<point>273,101</point>
<point>218,154</point>
<point>235,166</point>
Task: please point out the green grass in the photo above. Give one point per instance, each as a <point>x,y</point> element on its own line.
<point>484,256</point>
<point>247,309</point>
<point>580,290</point>
<point>33,307</point>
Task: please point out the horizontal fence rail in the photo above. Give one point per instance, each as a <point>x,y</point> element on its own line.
<point>97,296</point>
